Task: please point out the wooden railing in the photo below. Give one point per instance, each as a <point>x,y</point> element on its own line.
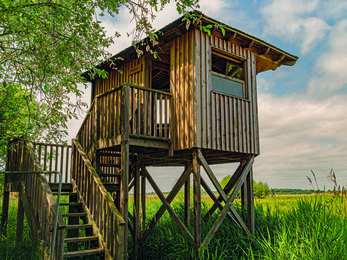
<point>35,197</point>
<point>54,157</point>
<point>149,110</point>
<point>107,222</point>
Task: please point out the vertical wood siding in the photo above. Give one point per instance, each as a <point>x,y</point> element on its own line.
<point>182,84</point>
<point>224,122</point>
<point>202,118</point>
<point>115,78</point>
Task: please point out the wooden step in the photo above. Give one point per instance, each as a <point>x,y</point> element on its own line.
<point>109,165</point>
<point>111,187</point>
<point>65,194</point>
<point>76,204</point>
<point>65,187</point>
<point>80,239</point>
<point>73,215</point>
<point>84,252</point>
<point>78,226</point>
<point>109,175</point>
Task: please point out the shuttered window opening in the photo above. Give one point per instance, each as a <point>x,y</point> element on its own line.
<point>228,75</point>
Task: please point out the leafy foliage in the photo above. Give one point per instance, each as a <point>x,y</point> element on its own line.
<point>261,189</point>
<point>45,45</point>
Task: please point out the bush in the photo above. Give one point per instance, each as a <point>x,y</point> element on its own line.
<point>261,189</point>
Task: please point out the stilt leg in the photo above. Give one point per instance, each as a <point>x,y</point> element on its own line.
<point>136,210</point>
<point>250,202</point>
<point>143,201</point>
<point>124,192</point>
<point>125,164</point>
<point>187,199</point>
<point>197,202</point>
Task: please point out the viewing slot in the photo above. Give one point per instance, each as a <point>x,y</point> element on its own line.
<point>227,85</point>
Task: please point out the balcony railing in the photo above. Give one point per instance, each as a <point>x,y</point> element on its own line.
<point>146,111</point>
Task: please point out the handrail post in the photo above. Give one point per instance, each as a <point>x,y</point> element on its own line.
<point>96,128</point>
<point>125,116</point>
<point>171,126</point>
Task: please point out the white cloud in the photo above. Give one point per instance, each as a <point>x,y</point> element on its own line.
<point>294,21</point>
<point>334,9</point>
<point>299,133</point>
<point>330,69</point>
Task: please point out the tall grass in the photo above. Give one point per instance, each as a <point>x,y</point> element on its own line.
<point>309,228</point>
<point>286,228</point>
<point>315,228</point>
<point>8,249</point>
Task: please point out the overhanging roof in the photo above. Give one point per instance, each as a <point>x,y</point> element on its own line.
<point>268,56</point>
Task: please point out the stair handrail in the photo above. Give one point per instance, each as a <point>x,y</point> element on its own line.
<point>104,215</point>
<point>36,196</point>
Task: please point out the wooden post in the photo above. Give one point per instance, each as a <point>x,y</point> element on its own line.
<point>250,202</point>
<point>20,219</point>
<point>197,202</point>
<point>143,201</point>
<point>136,222</point>
<point>125,163</point>
<point>171,126</point>
<point>6,195</point>
<point>244,197</point>
<point>187,198</point>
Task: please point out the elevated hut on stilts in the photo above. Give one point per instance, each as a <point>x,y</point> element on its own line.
<point>195,105</point>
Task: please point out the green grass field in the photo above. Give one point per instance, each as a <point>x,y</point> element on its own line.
<point>287,227</point>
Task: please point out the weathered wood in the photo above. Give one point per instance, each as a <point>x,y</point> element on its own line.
<point>250,202</point>
<point>219,205</point>
<point>196,201</point>
<point>166,204</point>
<point>143,201</point>
<point>93,184</point>
<point>228,204</point>
<point>136,209</point>
<point>125,162</point>
<point>187,199</point>
<point>169,199</point>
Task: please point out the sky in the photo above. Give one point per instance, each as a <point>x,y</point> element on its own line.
<point>302,109</point>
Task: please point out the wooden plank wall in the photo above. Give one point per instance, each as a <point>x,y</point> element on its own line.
<point>183,89</point>
<point>116,78</point>
<point>224,122</point>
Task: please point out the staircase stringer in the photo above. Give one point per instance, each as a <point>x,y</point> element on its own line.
<point>115,222</point>
<point>96,230</point>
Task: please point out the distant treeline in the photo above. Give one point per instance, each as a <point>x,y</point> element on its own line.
<point>294,191</point>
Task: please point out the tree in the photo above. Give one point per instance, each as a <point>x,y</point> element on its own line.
<point>261,189</point>
<point>45,45</point>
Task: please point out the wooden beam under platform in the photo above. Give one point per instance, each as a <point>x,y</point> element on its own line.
<point>168,200</point>
<point>228,200</point>
<point>147,142</point>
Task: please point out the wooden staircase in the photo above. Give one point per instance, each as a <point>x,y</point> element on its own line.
<point>79,241</point>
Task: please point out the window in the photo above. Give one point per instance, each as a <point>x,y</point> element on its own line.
<point>228,74</point>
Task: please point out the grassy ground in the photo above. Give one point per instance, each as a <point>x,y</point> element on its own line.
<point>287,227</point>
<point>8,249</point>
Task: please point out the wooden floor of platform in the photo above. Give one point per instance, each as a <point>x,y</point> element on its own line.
<point>155,152</point>
<point>137,143</point>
